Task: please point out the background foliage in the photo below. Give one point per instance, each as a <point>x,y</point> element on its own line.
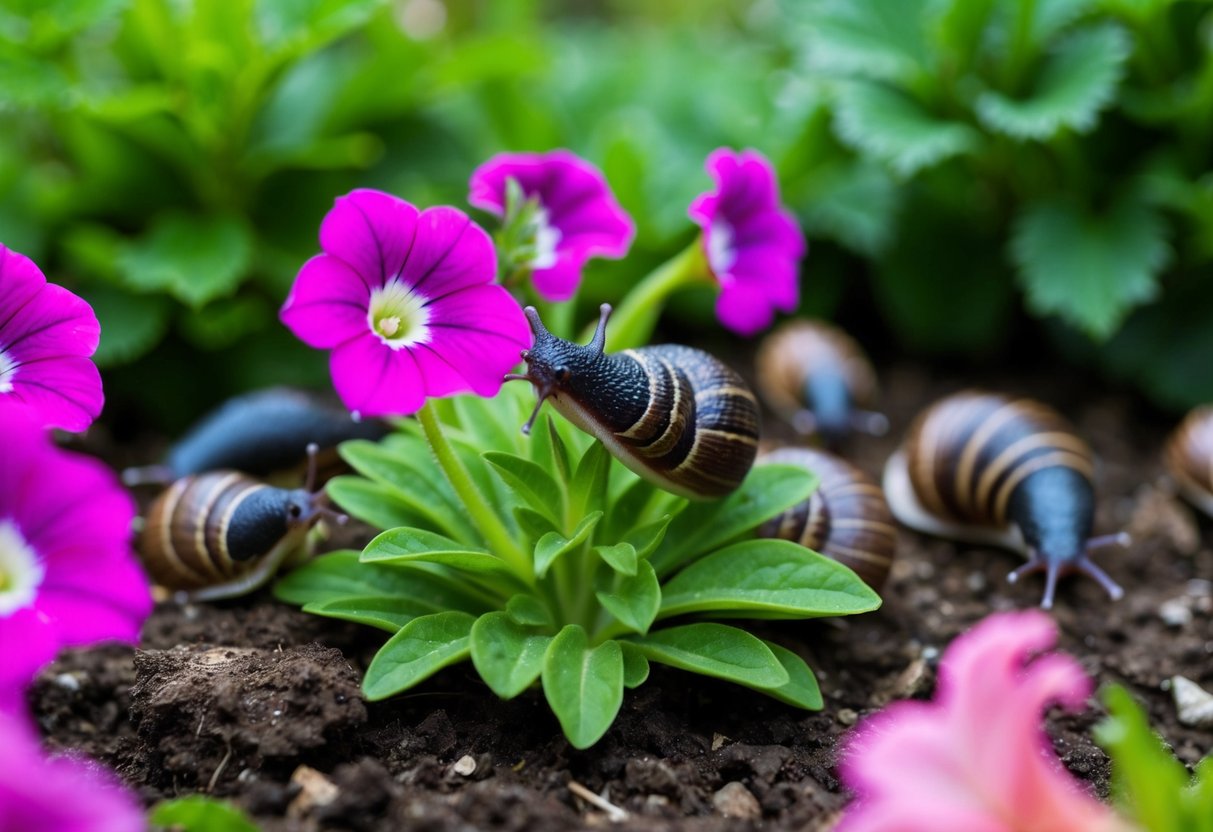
<point>964,167</point>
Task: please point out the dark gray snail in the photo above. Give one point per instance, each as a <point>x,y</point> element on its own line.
<point>222,533</point>
<point>258,433</point>
<point>990,469</point>
<point>818,379</point>
<point>676,416</point>
<point>846,518</point>
<point>1188,456</point>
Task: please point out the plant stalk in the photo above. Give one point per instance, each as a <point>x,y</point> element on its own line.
<point>633,321</point>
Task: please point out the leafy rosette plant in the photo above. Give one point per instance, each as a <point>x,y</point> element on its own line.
<point>598,572</point>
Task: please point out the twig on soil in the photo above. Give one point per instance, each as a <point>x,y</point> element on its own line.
<point>613,812</point>
<point>210,787</point>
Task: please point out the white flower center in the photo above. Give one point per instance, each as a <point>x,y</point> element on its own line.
<point>20,570</point>
<point>721,254</point>
<point>546,239</point>
<point>398,314</point>
<point>8,369</point>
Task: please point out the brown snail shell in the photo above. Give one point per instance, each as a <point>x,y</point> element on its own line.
<point>1188,456</point>
<point>846,518</point>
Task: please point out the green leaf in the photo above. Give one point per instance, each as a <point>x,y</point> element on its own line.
<point>507,655</point>
<point>528,610</point>
<point>1090,269</point>
<point>704,526</point>
<point>560,452</point>
<point>767,578</point>
<point>715,650</point>
<point>532,523</point>
<point>872,38</point>
<point>340,575</point>
<point>386,612</point>
<point>530,482</point>
<point>553,544</point>
<point>621,557</point>
<point>1077,81</point>
<point>194,258</point>
<point>583,685</point>
<point>853,201</point>
<point>198,813</point>
<point>628,508</point>
<point>635,600</point>
<point>299,26</point>
<point>588,489</point>
<point>635,665</point>
<point>373,503</point>
<point>421,648</point>
<point>131,325</point>
<point>959,28</point>
<point>408,545</point>
<point>224,322</point>
<point>893,128</point>
<point>648,537</point>
<point>801,691</point>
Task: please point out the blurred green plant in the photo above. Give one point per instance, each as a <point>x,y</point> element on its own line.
<point>199,813</point>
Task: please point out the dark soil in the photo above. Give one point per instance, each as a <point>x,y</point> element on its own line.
<point>259,703</point>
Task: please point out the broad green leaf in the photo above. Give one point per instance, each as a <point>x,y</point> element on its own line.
<point>553,545</point>
<point>1089,268</point>
<point>851,200</point>
<point>635,665</point>
<point>959,26</point>
<point>373,503</point>
<point>530,482</point>
<point>340,575</point>
<point>715,650</point>
<point>507,655</point>
<point>486,421</point>
<point>635,600</point>
<point>386,612</point>
<point>588,489</point>
<point>420,649</point>
<point>1077,81</point>
<point>873,38</point>
<point>801,691</point>
<point>532,523</point>
<point>199,813</point>
<point>704,526</point>
<point>194,258</point>
<point>408,545</point>
<point>298,26</point>
<point>771,578</point>
<point>131,325</point>
<point>528,610</point>
<point>583,685</point>
<point>621,557</point>
<point>887,125</point>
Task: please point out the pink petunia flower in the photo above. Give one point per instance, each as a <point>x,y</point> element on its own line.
<point>753,245</point>
<point>976,759</point>
<point>576,213</point>
<point>46,337</point>
<point>405,299</point>
<point>68,575</point>
<point>58,794</point>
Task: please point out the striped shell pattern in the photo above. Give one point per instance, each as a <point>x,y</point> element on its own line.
<point>1188,455</point>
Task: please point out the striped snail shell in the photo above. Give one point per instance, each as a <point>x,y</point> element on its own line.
<point>674,415</point>
<point>817,377</point>
<point>846,518</point>
<point>1188,456</point>
<point>223,533</point>
<point>991,469</point>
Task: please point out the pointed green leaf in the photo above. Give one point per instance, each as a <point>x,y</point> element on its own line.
<point>801,691</point>
<point>481,419</point>
<point>635,665</point>
<point>408,545</point>
<point>587,492</point>
<point>533,524</point>
<point>560,452</point>
<point>371,502</point>
<point>771,578</point>
<point>583,685</point>
<point>888,125</point>
<point>621,557</point>
<point>530,482</point>
<point>340,575</point>
<point>715,650</point>
<point>628,508</point>
<point>1074,85</point>
<point>635,600</point>
<point>421,648</point>
<point>553,545</point>
<point>528,610</point>
<point>1090,269</point>
<point>648,537</point>
<point>385,612</point>
<point>507,655</point>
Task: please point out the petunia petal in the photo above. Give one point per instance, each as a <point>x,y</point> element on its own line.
<point>372,232</point>
<point>372,379</point>
<point>27,642</point>
<point>20,281</point>
<point>64,392</point>
<point>744,309</point>
<point>80,618</point>
<point>328,303</point>
<point>560,282</point>
<point>54,322</point>
<point>479,333</point>
<point>451,253</point>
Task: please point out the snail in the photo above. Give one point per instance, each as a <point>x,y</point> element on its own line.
<point>1188,456</point>
<point>814,375</point>
<point>846,518</point>
<point>258,433</point>
<point>676,416</point>
<point>990,469</point>
<point>222,533</point>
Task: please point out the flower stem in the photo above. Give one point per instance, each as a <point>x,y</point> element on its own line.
<point>635,318</point>
<point>494,532</point>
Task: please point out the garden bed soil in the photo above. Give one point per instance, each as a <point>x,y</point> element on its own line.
<point>259,703</point>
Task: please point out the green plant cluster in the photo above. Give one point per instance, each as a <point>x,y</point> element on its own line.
<point>600,574</point>
<point>979,150</point>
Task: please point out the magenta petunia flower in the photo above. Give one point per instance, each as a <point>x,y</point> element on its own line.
<point>976,757</point>
<point>58,794</point>
<point>753,245</point>
<point>576,213</point>
<point>68,575</point>
<point>46,337</point>
<point>405,299</point>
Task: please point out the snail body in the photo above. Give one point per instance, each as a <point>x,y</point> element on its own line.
<point>818,378</point>
<point>990,469</point>
<point>674,415</point>
<point>846,518</point>
<point>1188,456</point>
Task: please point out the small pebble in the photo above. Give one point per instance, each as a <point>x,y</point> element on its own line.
<point>846,716</point>
<point>735,801</point>
<point>930,653</point>
<point>68,682</point>
<point>1194,703</point>
<point>465,766</point>
<point>314,790</point>
<point>976,581</point>
<point>718,740</point>
<point>1175,612</point>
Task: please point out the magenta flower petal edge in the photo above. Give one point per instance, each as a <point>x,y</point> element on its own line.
<point>753,245</point>
<point>406,302</point>
<point>578,216</point>
<point>47,335</point>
